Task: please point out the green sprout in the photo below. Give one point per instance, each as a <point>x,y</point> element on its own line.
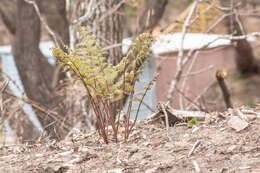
<point>193,122</point>
<point>106,157</point>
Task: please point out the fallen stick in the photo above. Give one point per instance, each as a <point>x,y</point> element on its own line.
<point>173,115</point>
<point>197,143</point>
<point>166,120</point>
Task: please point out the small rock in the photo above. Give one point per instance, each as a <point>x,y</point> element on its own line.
<point>114,171</point>
<point>156,142</point>
<point>244,167</point>
<point>132,152</point>
<point>251,117</point>
<point>152,170</point>
<point>195,129</point>
<point>231,148</point>
<point>237,124</point>
<point>240,114</point>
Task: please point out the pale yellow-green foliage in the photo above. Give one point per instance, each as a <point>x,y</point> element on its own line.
<point>88,63</point>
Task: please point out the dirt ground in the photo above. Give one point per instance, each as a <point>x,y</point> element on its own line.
<point>220,149</point>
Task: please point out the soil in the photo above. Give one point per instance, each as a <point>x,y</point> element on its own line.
<point>220,149</point>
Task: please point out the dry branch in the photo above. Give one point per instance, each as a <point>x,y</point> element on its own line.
<point>220,75</point>
<point>180,61</point>
<point>56,38</point>
<point>54,115</point>
<point>196,144</point>
<point>174,115</point>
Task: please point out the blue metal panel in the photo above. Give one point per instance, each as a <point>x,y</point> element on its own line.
<point>150,98</point>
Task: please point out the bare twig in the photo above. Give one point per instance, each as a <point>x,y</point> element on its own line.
<point>200,94</point>
<point>91,6</point>
<point>238,20</point>
<point>55,37</point>
<point>198,15</point>
<point>4,85</point>
<point>141,101</point>
<point>36,105</point>
<point>240,114</point>
<point>188,99</point>
<point>197,143</point>
<point>13,82</point>
<point>166,120</point>
<point>2,89</point>
<point>175,115</point>
<point>180,55</point>
<point>240,37</point>
<point>210,67</point>
<point>185,79</point>
<point>113,10</point>
<point>218,21</point>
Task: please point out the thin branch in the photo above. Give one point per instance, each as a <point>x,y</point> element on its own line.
<point>141,101</point>
<point>198,72</point>
<point>13,81</point>
<point>113,10</point>
<point>240,37</point>
<point>180,55</point>
<point>2,89</point>
<point>200,94</point>
<point>188,99</point>
<point>196,144</point>
<point>198,15</point>
<point>89,12</point>
<point>49,30</point>
<point>218,21</point>
<point>185,79</point>
<point>238,20</point>
<point>166,119</point>
<point>41,108</point>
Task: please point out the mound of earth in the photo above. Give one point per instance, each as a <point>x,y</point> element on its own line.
<point>211,146</point>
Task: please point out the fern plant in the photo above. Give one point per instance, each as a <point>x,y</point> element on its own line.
<point>104,82</point>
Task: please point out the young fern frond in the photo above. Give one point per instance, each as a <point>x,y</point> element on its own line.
<point>104,82</point>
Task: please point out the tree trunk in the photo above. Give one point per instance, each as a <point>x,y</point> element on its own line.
<point>8,14</point>
<point>106,25</point>
<point>245,62</point>
<point>55,13</point>
<point>151,14</point>
<point>35,72</point>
